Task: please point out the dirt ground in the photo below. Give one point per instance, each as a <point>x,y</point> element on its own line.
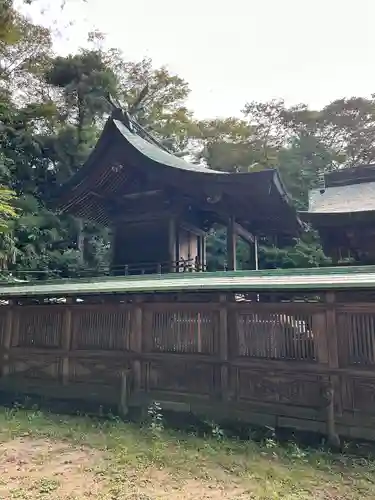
<point>58,457</point>
<point>33,468</point>
<point>38,469</point>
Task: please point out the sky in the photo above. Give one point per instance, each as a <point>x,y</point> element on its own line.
<point>311,51</point>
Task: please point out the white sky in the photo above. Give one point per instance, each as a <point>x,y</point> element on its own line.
<point>310,51</point>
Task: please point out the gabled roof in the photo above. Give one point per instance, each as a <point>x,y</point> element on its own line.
<point>353,175</point>
<point>343,199</point>
<point>347,198</point>
<point>258,198</point>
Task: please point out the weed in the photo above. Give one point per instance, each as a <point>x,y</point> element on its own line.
<point>156,417</point>
<point>216,431</point>
<point>47,485</point>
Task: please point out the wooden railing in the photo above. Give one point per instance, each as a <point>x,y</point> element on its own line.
<point>306,365</point>
<point>140,268</point>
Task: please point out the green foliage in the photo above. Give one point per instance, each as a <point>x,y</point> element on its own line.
<point>155,416</point>
<point>307,252</point>
<point>9,32</point>
<point>7,210</point>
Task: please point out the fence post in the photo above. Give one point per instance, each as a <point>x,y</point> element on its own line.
<point>223,331</point>
<point>15,335</point>
<point>66,340</point>
<point>333,361</point>
<point>319,328</point>
<point>136,341</point>
<point>7,339</point>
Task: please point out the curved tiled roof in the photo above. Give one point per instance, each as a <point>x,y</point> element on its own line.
<point>121,152</point>
<point>160,155</point>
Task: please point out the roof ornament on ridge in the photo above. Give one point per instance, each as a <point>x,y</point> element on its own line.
<point>127,117</point>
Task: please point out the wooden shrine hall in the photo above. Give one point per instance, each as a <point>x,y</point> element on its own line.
<point>343,212</point>
<point>161,207</point>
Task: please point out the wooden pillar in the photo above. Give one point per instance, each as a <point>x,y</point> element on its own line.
<point>7,339</point>
<point>199,253</point>
<point>204,253</point>
<point>172,244</point>
<point>231,245</point>
<point>189,258</point>
<point>256,253</point>
<point>177,248</point>
<point>66,340</point>
<point>201,241</point>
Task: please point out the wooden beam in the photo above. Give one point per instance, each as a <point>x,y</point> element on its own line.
<point>145,217</point>
<point>243,233</point>
<point>192,229</point>
<point>139,194</point>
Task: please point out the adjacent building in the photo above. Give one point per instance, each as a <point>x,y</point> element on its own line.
<point>343,212</point>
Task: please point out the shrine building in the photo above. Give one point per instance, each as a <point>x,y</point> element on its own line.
<point>343,212</point>
<point>160,207</point>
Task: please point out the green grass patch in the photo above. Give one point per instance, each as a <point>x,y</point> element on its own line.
<point>117,460</point>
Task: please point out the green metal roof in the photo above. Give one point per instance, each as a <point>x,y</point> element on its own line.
<point>159,155</point>
<point>241,281</point>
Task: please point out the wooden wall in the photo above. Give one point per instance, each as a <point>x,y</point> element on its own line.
<point>142,246</point>
<point>306,364</point>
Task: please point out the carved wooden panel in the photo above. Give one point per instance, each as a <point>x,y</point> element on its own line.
<point>102,328</point>
<point>185,331</point>
<point>35,366</point>
<point>291,388</point>
<point>356,334</point>
<point>275,335</point>
<point>96,371</point>
<point>358,394</point>
<point>181,376</point>
<point>39,327</point>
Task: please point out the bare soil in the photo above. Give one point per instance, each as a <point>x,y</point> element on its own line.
<point>32,468</point>
<point>37,469</point>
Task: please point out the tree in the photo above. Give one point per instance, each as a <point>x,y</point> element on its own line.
<point>24,59</point>
<point>85,80</point>
<point>344,127</point>
<point>7,210</point>
<point>225,144</point>
<point>163,108</point>
<point>8,23</point>
<point>45,141</point>
<point>268,136</point>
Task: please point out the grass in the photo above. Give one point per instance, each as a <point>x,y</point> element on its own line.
<point>57,457</point>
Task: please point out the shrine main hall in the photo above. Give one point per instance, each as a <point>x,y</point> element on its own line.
<point>160,207</point>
